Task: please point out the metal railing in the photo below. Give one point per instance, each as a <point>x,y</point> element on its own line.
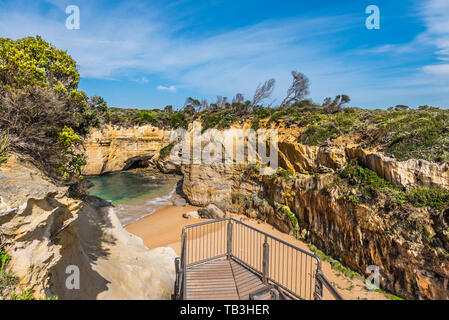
<point>277,262</point>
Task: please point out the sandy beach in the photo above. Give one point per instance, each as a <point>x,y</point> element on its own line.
<point>163,229</point>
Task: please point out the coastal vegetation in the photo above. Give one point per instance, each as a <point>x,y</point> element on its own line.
<point>41,108</point>
<point>8,283</point>
<point>45,117</point>
<point>3,144</point>
<point>40,102</point>
<point>366,185</point>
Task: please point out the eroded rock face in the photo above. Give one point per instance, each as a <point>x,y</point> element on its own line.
<point>46,232</point>
<point>357,234</point>
<point>214,183</point>
<point>413,262</point>
<point>108,149</point>
<point>403,173</point>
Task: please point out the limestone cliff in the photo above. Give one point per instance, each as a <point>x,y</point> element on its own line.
<point>109,148</point>
<point>45,232</point>
<point>409,245</point>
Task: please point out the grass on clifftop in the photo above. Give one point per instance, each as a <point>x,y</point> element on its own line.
<point>369,184</point>
<point>40,101</point>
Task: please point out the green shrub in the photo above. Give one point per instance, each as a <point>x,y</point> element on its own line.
<point>367,179</point>
<point>145,117</point>
<point>3,144</point>
<point>276,116</point>
<point>71,162</point>
<point>68,138</point>
<point>316,135</point>
<point>423,135</point>
<point>165,151</point>
<point>291,216</point>
<point>34,62</point>
<point>4,259</point>
<point>25,295</point>
<point>433,197</point>
<point>369,183</point>
<point>178,120</point>
<point>261,113</point>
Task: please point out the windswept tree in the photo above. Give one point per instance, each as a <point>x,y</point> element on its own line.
<point>400,107</point>
<point>204,104</point>
<point>195,103</point>
<point>221,102</point>
<point>189,111</point>
<point>239,106</point>
<point>298,90</point>
<point>263,91</point>
<point>238,98</point>
<point>334,105</point>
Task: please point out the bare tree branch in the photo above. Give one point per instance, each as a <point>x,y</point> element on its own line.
<point>298,90</point>
<point>263,91</point>
<point>238,98</point>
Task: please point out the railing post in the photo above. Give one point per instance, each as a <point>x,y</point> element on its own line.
<point>266,253</point>
<point>229,240</point>
<point>183,265</point>
<point>318,292</point>
<point>178,274</point>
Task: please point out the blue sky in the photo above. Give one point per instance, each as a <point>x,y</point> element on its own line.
<point>149,54</point>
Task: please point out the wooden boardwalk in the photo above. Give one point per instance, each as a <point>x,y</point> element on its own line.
<point>221,279</point>
<point>225,259</point>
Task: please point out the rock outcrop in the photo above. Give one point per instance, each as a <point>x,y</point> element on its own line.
<point>359,235</point>
<point>49,235</point>
<point>211,211</point>
<point>408,173</point>
<point>110,148</point>
<point>191,214</point>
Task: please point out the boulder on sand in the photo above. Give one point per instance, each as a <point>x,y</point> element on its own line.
<point>211,211</point>
<point>191,214</point>
<point>179,202</point>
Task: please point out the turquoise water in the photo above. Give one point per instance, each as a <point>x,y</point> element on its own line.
<point>134,195</point>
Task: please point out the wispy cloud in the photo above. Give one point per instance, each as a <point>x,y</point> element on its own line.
<point>436,17</point>
<point>162,88</point>
<point>142,40</point>
<point>437,69</point>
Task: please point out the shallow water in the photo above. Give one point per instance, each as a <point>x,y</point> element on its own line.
<point>134,195</point>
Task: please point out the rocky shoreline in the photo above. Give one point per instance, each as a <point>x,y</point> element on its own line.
<point>45,232</point>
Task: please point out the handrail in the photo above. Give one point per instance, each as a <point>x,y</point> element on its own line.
<point>274,260</point>
<point>322,278</point>
<point>254,229</point>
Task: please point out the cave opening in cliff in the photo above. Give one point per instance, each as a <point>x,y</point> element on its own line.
<point>137,162</point>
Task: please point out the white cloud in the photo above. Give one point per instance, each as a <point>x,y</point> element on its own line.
<point>162,88</point>
<point>133,39</point>
<point>115,43</point>
<point>435,14</point>
<point>437,69</point>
